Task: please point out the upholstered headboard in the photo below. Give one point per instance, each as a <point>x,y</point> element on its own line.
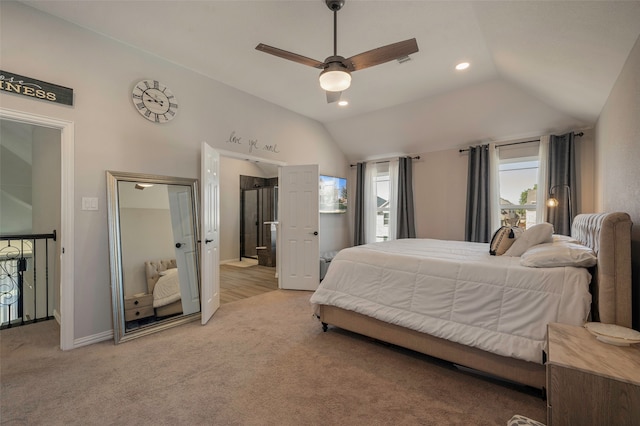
<point>153,269</point>
<point>609,235</point>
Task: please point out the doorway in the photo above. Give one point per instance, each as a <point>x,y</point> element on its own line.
<point>64,309</point>
<point>248,265</point>
<point>258,212</point>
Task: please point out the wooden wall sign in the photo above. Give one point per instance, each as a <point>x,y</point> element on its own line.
<point>30,87</point>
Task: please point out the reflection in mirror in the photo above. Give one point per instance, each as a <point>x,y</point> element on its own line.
<point>154,252</point>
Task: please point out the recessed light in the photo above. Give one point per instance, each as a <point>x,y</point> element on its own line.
<point>462,66</point>
<point>343,103</point>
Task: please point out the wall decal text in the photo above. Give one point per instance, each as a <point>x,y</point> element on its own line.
<point>252,144</point>
<point>36,89</point>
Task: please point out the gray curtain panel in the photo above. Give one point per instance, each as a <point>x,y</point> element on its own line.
<point>358,234</point>
<point>478,220</point>
<point>406,218</point>
<point>562,182</point>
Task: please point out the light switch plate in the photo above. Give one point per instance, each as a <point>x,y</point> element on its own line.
<point>89,203</point>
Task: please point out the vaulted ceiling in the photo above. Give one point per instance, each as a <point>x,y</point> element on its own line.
<point>536,66</point>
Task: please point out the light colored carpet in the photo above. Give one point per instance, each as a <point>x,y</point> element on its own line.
<point>259,361</point>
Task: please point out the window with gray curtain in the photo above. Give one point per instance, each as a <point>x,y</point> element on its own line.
<point>359,231</point>
<point>478,219</point>
<point>404,210</point>
<point>562,182</point>
<point>406,227</point>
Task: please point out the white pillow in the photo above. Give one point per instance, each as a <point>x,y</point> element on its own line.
<point>537,234</point>
<point>565,239</point>
<point>562,253</point>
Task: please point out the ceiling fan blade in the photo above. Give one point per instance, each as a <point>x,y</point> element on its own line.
<point>290,56</point>
<point>382,54</point>
<point>333,97</point>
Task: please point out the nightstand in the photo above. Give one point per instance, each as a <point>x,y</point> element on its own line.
<point>138,306</point>
<point>590,382</point>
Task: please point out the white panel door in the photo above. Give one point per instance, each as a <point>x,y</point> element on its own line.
<point>298,221</point>
<point>184,238</point>
<point>210,272</point>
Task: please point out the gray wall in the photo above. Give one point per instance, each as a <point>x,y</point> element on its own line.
<point>16,141</point>
<point>618,158</point>
<point>111,135</point>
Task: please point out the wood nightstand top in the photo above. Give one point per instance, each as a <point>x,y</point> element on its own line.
<point>575,347</point>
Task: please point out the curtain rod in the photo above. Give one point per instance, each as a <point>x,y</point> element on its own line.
<point>517,143</point>
<point>417,157</point>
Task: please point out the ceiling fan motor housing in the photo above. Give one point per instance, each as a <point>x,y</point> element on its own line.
<point>339,61</point>
<point>334,5</point>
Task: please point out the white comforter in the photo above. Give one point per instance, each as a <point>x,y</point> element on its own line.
<point>167,289</point>
<point>457,291</point>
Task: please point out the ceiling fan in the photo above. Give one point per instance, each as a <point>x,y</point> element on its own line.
<point>336,70</point>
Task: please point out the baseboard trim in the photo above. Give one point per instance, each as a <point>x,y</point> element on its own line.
<point>95,338</point>
<point>57,316</point>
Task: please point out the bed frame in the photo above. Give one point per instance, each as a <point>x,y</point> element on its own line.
<point>609,235</point>
<point>153,269</point>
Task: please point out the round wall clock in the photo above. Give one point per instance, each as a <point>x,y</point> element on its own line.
<point>154,101</point>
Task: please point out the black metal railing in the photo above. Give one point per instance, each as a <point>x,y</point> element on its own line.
<point>24,298</point>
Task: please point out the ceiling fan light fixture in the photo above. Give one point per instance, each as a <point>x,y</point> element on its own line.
<point>335,78</point>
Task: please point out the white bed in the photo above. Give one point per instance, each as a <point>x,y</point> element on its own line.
<point>455,301</point>
<point>164,285</point>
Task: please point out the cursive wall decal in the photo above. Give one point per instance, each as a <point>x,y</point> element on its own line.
<point>253,144</point>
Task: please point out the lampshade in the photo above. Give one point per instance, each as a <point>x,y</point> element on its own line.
<point>335,78</point>
<point>552,202</point>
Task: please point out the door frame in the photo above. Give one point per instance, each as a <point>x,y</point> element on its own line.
<point>66,234</point>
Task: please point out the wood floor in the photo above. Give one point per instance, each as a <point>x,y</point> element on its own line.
<point>240,283</point>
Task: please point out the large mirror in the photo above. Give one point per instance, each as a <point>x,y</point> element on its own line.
<point>153,236</point>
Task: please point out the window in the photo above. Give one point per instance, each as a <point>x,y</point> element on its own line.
<point>383,202</point>
<point>380,201</point>
<point>518,169</point>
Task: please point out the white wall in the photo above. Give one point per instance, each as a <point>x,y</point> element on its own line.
<point>440,194</point>
<point>111,135</point>
<point>618,158</point>
<point>146,234</point>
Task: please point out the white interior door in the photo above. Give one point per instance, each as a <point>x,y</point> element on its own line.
<point>298,221</point>
<point>210,272</point>
<point>184,238</point>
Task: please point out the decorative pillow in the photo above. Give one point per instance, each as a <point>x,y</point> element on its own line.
<point>537,234</point>
<point>551,255</point>
<point>502,239</point>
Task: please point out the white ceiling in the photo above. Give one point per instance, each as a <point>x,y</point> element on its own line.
<point>536,67</point>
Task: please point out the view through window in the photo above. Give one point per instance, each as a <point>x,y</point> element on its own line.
<point>382,203</point>
<point>518,176</point>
